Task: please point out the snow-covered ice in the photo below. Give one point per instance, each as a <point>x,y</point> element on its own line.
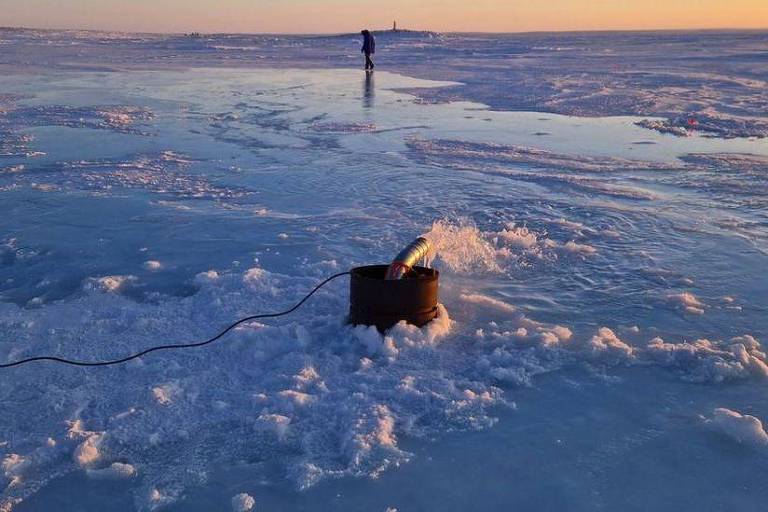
<point>598,213</point>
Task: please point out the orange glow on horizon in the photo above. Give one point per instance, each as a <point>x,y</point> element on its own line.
<point>324,16</point>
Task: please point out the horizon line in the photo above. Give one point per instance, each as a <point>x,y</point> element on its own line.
<point>490,32</point>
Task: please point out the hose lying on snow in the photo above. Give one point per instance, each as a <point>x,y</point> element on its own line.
<point>400,268</point>
<point>174,347</point>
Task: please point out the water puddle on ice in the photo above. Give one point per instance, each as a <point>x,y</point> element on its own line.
<point>297,103</point>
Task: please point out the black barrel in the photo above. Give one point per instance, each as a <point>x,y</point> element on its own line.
<point>376,301</point>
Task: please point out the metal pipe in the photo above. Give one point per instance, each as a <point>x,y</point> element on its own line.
<point>407,259</point>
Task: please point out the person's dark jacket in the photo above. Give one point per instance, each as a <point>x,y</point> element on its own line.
<point>369,44</point>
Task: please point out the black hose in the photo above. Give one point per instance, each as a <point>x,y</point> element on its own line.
<point>173,347</point>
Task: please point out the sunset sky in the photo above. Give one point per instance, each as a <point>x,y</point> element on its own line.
<point>319,16</point>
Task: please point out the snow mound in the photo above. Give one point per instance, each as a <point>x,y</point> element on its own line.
<point>243,503</point>
<point>115,471</point>
<point>112,284</point>
<point>707,361</point>
<point>742,428</point>
<point>688,302</point>
<point>605,344</point>
<point>88,453</point>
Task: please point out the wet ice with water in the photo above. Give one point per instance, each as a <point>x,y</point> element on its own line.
<point>598,343</point>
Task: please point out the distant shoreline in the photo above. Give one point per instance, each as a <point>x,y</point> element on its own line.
<point>403,31</point>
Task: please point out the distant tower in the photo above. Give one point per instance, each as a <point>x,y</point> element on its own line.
<point>394,26</point>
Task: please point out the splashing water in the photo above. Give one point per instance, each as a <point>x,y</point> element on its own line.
<point>461,247</point>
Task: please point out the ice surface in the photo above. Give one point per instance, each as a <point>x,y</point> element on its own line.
<point>602,283</point>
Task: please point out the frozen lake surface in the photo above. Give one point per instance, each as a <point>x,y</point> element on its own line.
<point>603,255</point>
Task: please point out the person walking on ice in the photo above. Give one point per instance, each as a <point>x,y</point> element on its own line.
<point>369,48</point>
